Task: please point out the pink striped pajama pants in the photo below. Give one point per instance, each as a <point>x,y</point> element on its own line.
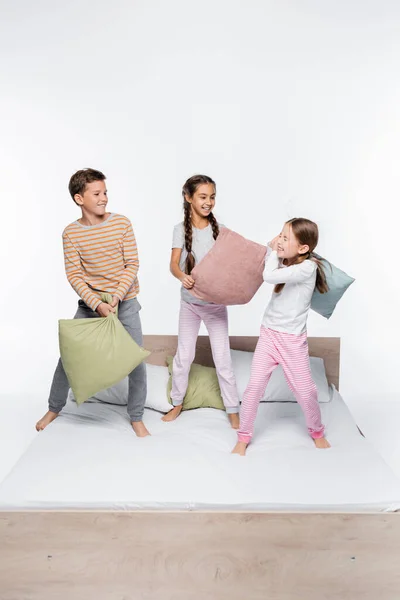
<point>291,351</point>
<point>215,317</point>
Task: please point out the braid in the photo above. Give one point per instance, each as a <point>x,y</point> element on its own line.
<point>187,224</point>
<point>188,190</point>
<point>214,225</point>
<point>278,288</point>
<point>321,283</point>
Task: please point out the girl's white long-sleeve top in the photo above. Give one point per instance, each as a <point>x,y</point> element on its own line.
<point>288,310</point>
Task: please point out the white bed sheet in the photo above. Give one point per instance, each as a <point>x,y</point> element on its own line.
<point>18,415</point>
<point>89,458</point>
<point>379,420</point>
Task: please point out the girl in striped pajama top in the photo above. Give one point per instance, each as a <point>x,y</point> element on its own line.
<point>192,240</point>
<point>295,273</point>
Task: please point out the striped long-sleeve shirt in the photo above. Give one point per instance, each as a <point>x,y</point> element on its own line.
<point>102,258</point>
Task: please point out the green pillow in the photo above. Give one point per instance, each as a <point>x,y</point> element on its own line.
<point>97,353</point>
<point>338,281</point>
<point>203,388</point>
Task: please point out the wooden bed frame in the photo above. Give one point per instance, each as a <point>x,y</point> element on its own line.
<point>131,555</point>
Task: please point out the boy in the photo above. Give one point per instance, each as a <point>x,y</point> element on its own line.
<point>100,255</point>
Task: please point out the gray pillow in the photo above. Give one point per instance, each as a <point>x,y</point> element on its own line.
<point>157,381</point>
<point>338,281</point>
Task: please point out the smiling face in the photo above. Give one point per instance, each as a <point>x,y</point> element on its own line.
<point>94,198</point>
<point>289,247</point>
<point>203,200</point>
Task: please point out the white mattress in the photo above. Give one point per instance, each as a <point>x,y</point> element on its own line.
<point>89,458</point>
<point>379,421</point>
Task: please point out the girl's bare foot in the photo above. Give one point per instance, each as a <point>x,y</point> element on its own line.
<point>140,429</point>
<point>234,420</point>
<point>172,414</point>
<point>46,420</point>
<point>240,448</point>
<point>322,443</point>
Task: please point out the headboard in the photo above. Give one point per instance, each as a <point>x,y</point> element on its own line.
<point>162,346</point>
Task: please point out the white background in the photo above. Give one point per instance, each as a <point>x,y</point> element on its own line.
<point>292,106</point>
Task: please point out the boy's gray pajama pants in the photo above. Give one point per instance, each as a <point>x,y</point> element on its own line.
<point>128,314</point>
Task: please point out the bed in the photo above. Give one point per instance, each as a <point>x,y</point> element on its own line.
<point>176,516</point>
<point>379,420</point>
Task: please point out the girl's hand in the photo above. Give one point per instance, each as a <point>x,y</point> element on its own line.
<point>274,243</point>
<point>187,282</point>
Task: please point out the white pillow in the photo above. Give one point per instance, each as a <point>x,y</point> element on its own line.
<point>157,381</point>
<point>277,388</point>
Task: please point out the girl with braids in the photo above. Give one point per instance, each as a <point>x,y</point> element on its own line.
<point>192,240</point>
<point>295,272</point>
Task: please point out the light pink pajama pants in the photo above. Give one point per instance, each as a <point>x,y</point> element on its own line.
<point>291,351</point>
<point>215,318</point>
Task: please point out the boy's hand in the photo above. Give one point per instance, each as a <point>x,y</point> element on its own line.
<point>105,309</point>
<point>114,301</point>
<point>187,282</point>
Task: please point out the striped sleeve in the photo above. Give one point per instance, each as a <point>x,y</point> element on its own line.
<point>131,263</point>
<point>74,274</point>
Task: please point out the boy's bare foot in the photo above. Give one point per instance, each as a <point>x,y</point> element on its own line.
<point>234,420</point>
<point>140,428</point>
<point>240,448</point>
<point>172,414</point>
<point>322,443</point>
<point>46,420</point>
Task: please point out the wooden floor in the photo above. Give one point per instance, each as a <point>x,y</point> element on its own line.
<point>199,556</point>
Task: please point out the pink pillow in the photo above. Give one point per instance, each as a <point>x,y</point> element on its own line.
<point>231,272</point>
